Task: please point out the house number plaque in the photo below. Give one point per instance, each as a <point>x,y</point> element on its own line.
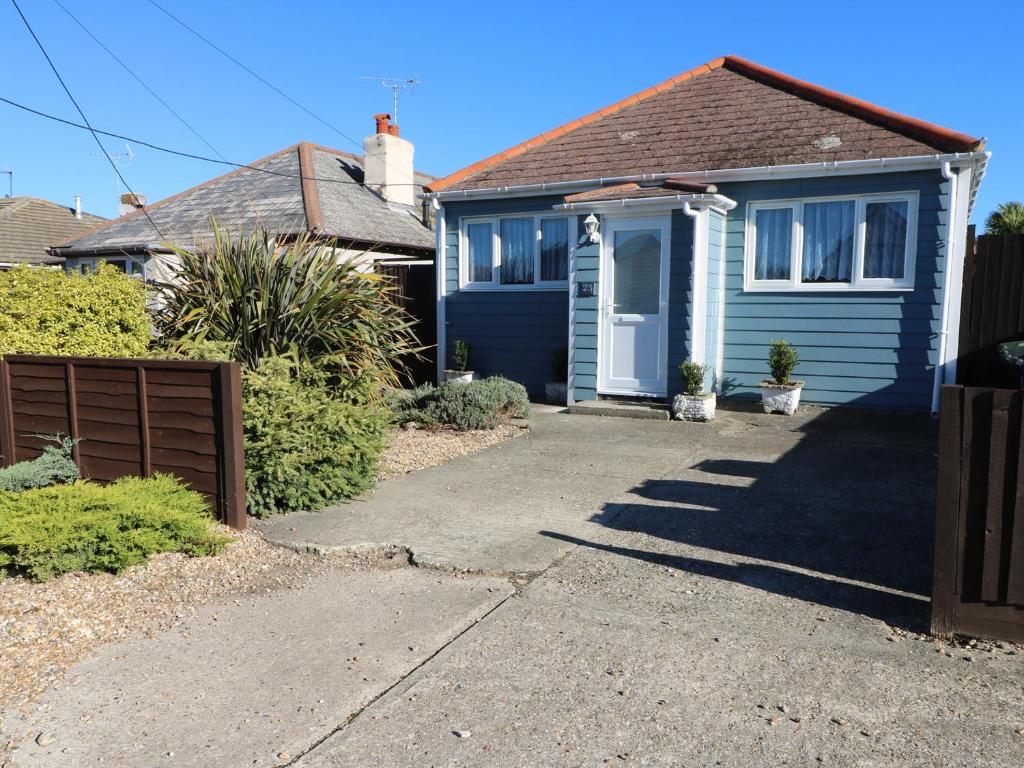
<point>586,290</point>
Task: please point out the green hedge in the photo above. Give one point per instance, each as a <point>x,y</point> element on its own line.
<point>305,447</point>
<point>45,532</point>
<point>51,312</point>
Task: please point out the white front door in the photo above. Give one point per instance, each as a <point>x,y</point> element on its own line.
<point>634,306</point>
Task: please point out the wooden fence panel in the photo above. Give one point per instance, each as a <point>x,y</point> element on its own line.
<point>992,308</point>
<point>132,417</point>
<point>978,584</point>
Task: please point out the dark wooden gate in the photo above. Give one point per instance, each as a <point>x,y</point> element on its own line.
<point>132,417</point>
<point>992,308</point>
<point>417,294</point>
<point>978,584</point>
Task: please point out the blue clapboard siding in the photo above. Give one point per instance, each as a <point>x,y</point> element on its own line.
<point>584,321</point>
<point>510,333</point>
<point>858,348</point>
<point>680,291</point>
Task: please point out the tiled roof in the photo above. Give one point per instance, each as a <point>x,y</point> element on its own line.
<point>633,191</point>
<point>728,113</point>
<point>311,187</point>
<point>29,226</point>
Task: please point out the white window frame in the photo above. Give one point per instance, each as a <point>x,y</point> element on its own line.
<point>858,282</point>
<point>466,284</point>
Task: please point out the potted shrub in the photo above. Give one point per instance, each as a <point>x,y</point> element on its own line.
<point>461,372</point>
<point>556,390</point>
<point>781,393</point>
<point>696,403</point>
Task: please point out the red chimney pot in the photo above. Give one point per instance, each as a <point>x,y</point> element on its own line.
<point>382,118</point>
<point>393,129</point>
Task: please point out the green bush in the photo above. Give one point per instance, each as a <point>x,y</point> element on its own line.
<point>45,532</point>
<point>510,397</point>
<point>782,359</point>
<point>482,404</point>
<point>461,355</point>
<point>693,375</point>
<point>306,446</point>
<point>54,467</point>
<point>51,312</point>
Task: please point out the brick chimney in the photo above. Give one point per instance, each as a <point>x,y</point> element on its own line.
<point>387,164</point>
<point>130,203</point>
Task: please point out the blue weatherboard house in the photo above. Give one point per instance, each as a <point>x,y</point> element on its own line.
<point>701,219</point>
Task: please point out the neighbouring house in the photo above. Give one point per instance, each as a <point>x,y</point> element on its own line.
<point>366,206</point>
<point>701,219</point>
<point>29,226</point>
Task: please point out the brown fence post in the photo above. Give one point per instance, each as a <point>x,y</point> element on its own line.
<point>72,390</point>
<point>947,510</point>
<point>7,447</point>
<point>230,404</point>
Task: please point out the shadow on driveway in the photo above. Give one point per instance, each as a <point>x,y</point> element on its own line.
<point>854,499</point>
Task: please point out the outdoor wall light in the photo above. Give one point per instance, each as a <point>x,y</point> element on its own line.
<point>593,224</point>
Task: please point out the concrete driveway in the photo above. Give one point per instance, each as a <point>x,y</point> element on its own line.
<point>601,591</point>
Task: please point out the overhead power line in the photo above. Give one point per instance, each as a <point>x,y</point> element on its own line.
<point>180,153</point>
<point>139,80</point>
<point>259,77</point>
<point>85,120</point>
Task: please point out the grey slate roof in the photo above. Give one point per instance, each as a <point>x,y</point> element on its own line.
<point>29,226</point>
<point>332,202</point>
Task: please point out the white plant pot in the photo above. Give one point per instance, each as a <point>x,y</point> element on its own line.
<point>462,377</point>
<point>556,392</point>
<point>780,398</point>
<point>694,407</point>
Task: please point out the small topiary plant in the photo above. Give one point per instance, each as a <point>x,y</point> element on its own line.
<point>782,360</point>
<point>54,467</point>
<point>693,375</point>
<point>461,355</point>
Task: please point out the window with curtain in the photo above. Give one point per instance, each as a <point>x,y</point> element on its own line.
<point>885,239</point>
<point>480,242</point>
<point>517,241</point>
<point>554,249</point>
<point>828,241</point>
<point>773,254</point>
<point>515,252</point>
<point>856,242</point>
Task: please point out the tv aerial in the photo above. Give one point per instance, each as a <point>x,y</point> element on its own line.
<point>396,84</point>
<point>120,159</point>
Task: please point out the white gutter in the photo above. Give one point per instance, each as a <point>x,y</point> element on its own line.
<point>440,270</point>
<point>701,199</point>
<point>943,366</point>
<point>754,173</point>
<point>699,280</point>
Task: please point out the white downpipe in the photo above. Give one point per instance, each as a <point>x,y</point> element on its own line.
<point>698,301</point>
<point>441,269</point>
<point>947,277</point>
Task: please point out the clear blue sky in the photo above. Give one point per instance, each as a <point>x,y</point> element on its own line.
<point>492,75</point>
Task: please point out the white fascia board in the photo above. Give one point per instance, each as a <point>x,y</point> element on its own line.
<point>755,173</point>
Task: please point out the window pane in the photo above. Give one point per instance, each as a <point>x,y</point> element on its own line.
<point>828,242</point>
<point>481,252</point>
<point>554,249</point>
<point>517,240</point>
<point>885,241</point>
<point>774,248</point>
<point>637,278</point>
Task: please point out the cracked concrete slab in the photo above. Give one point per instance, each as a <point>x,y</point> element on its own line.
<point>255,681</point>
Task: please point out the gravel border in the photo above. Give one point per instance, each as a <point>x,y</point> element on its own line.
<point>413,449</point>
